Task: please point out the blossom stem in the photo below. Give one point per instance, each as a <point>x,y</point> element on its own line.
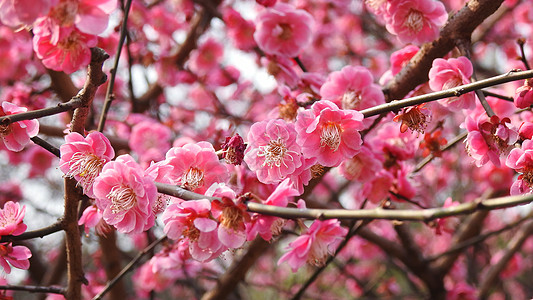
<point>512,75</point>
<point>523,58</point>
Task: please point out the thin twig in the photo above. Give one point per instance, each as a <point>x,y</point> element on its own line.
<point>512,75</point>
<point>39,113</point>
<point>429,158</point>
<point>523,57</point>
<point>58,226</point>
<point>34,289</point>
<point>46,145</point>
<point>110,86</point>
<point>128,267</point>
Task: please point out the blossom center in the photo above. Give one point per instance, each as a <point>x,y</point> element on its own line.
<point>414,21</point>
<point>192,233</point>
<point>193,178</point>
<point>65,12</point>
<point>122,198</point>
<point>5,129</point>
<point>452,82</point>
<point>350,100</point>
<point>231,218</point>
<point>286,32</point>
<point>273,152</point>
<point>331,136</point>
<point>87,166</point>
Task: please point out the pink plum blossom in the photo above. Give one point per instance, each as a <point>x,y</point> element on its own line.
<point>231,214</point>
<point>11,219</point>
<point>88,16</point>
<point>192,220</point>
<point>239,30</point>
<point>150,138</point>
<point>40,160</point>
<point>16,136</point>
<point>400,58</point>
<point>194,166</point>
<point>315,245</point>
<point>125,195</point>
<point>329,133</point>
<point>283,30</point>
<point>68,51</point>
<point>16,256</point>
<point>84,158</point>
<point>489,138</point>
<point>92,218</point>
<point>446,74</point>
<point>521,160</point>
<point>415,21</point>
<point>272,151</point>
<point>206,57</point>
<point>524,95</point>
<point>23,12</point>
<point>352,88</point>
<point>362,167</point>
<point>267,226</point>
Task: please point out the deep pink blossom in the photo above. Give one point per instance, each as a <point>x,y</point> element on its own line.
<point>283,30</point>
<point>315,245</point>
<point>195,167</point>
<point>400,58</point>
<point>415,21</point>
<point>192,220</point>
<point>84,158</point>
<point>11,219</point>
<point>125,194</point>
<point>92,218</point>
<point>524,95</point>
<point>352,88</point>
<point>239,30</point>
<point>39,160</point>
<point>16,256</point>
<point>489,138</point>
<point>329,133</point>
<point>272,151</point>
<point>68,51</point>
<point>16,136</point>
<point>521,160</point>
<point>362,167</point>
<point>206,57</point>
<point>447,74</point>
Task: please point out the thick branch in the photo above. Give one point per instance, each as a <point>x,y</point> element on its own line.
<point>34,289</point>
<point>73,195</point>
<point>58,226</point>
<point>459,27</point>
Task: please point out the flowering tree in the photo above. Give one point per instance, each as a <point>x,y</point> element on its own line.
<point>266,149</point>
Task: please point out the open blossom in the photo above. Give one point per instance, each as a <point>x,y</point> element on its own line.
<point>88,16</point>
<point>315,245</point>
<point>283,30</point>
<point>272,151</point>
<point>362,167</point>
<point>446,74</point>
<point>267,226</point>
<point>16,136</point>
<point>16,256</point>
<point>125,194</point>
<point>194,166</point>
<point>11,219</point>
<point>192,220</point>
<point>329,133</point>
<point>521,160</point>
<point>231,213</point>
<point>68,51</point>
<point>489,138</point>
<point>352,88</point>
<point>150,137</point>
<point>23,12</point>
<point>84,158</point>
<point>415,21</point>
<point>207,57</point>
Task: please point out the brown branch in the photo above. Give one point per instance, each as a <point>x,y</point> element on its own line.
<point>34,289</point>
<point>459,27</point>
<point>58,226</point>
<point>117,143</point>
<point>39,113</point>
<point>62,85</point>
<point>111,263</point>
<point>73,195</point>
